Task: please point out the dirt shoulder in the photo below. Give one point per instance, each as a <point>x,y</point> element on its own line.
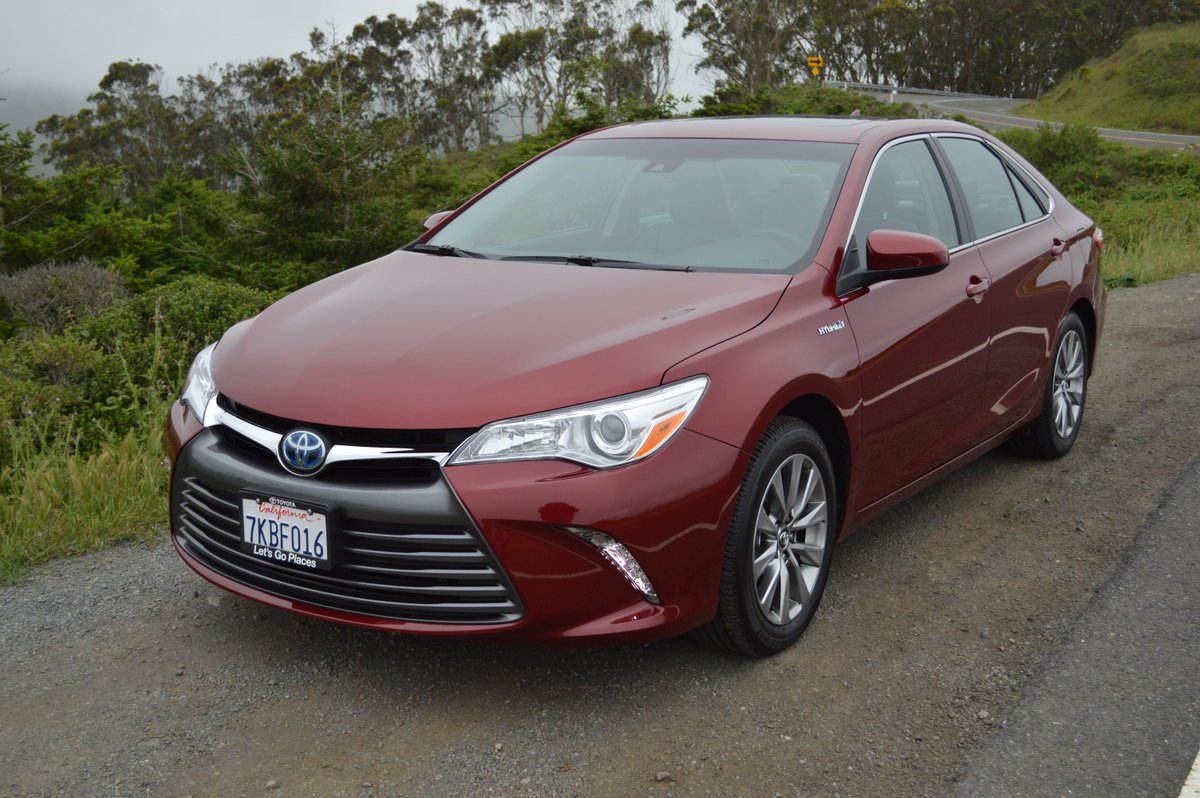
<point>125,674</point>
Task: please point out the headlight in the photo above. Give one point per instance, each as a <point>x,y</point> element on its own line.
<point>602,434</point>
<point>200,387</point>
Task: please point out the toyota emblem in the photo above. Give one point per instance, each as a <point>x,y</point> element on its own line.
<point>302,451</point>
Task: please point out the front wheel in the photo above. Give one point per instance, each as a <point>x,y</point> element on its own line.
<point>1053,433</point>
<point>779,546</point>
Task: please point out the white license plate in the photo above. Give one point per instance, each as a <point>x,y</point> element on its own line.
<point>286,532</point>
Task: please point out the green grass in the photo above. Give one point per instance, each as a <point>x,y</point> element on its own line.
<point>56,503</point>
<point>1151,83</point>
<point>1166,249</point>
<point>1147,201</point>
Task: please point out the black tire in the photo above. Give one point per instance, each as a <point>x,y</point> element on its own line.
<point>1053,433</point>
<point>799,551</point>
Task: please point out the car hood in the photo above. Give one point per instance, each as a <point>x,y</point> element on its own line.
<point>415,341</point>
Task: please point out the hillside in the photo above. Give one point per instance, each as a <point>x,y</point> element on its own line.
<point>1151,83</point>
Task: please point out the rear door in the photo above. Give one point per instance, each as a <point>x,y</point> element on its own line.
<point>1024,252</point>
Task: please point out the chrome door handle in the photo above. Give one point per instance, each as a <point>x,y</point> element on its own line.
<point>977,285</point>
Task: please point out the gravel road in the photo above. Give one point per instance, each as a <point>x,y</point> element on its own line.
<point>125,674</point>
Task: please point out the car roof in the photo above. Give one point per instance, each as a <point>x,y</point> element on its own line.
<point>844,129</point>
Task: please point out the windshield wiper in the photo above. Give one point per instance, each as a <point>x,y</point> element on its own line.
<point>592,260</point>
<point>445,250</point>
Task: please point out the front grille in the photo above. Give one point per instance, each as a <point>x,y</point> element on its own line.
<point>441,574</point>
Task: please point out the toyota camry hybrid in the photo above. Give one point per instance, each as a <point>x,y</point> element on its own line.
<point>642,385</point>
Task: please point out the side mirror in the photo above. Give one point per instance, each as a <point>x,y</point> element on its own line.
<point>437,218</point>
<point>898,253</point>
<point>895,254</point>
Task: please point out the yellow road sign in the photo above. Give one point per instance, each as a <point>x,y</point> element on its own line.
<point>815,62</point>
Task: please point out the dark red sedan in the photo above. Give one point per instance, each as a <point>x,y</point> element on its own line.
<point>642,385</point>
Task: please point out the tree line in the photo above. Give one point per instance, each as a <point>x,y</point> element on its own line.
<point>1014,48</point>
<point>278,171</point>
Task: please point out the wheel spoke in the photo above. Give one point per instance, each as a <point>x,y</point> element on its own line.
<point>801,585</point>
<point>809,486</point>
<point>807,553</point>
<point>766,596</point>
<point>778,489</point>
<point>815,511</point>
<point>784,596</point>
<point>767,525</point>
<point>762,561</point>
<point>1060,416</point>
<point>793,487</point>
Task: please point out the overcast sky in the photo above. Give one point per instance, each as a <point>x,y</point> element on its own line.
<point>53,53</point>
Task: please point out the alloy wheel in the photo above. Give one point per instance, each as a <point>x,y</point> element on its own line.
<point>790,536</point>
<point>1068,385</point>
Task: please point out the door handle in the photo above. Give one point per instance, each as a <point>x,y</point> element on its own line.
<point>1058,248</point>
<point>977,285</point>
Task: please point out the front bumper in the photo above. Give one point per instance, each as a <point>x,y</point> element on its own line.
<point>479,549</point>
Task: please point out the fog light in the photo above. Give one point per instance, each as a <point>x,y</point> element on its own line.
<point>619,556</point>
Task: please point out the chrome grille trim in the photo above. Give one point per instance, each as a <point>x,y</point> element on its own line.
<point>215,415</point>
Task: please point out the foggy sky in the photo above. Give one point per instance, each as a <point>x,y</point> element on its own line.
<point>53,53</point>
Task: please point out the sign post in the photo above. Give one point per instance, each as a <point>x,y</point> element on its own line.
<point>815,64</point>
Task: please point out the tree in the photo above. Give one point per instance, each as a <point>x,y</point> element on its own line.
<point>131,124</point>
<point>749,44</point>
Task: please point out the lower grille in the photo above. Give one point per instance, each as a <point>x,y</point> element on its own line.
<point>440,574</point>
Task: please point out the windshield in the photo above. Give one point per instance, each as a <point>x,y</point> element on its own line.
<point>710,204</point>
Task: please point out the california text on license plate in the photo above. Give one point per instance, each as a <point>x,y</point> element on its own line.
<point>286,531</point>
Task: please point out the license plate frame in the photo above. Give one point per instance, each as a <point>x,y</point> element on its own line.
<point>289,532</point>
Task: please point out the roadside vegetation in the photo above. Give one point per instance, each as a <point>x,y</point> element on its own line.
<point>167,218</point>
<point>1151,83</point>
<point>1147,201</point>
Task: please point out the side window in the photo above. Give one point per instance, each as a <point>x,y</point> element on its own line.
<point>1030,208</point>
<point>985,184</point>
<point>906,192</point>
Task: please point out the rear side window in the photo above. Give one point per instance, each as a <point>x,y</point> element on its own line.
<point>986,186</point>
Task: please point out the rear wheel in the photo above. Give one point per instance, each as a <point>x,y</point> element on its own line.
<point>1053,433</point>
<point>780,544</point>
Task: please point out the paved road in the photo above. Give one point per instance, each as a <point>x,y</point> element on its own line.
<point>1117,711</point>
<point>992,112</point>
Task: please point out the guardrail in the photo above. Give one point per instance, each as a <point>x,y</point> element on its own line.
<point>888,89</point>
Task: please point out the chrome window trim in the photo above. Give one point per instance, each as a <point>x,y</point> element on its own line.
<point>215,415</point>
<point>1004,158</point>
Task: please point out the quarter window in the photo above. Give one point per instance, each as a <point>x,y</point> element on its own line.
<point>1030,208</point>
<point>986,187</point>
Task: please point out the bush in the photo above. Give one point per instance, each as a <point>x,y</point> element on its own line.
<point>155,335</point>
<point>799,98</point>
<point>51,296</point>
<point>53,388</point>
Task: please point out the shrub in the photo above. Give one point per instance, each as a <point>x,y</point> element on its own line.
<point>51,296</point>
<point>53,388</point>
<point>155,335</point>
